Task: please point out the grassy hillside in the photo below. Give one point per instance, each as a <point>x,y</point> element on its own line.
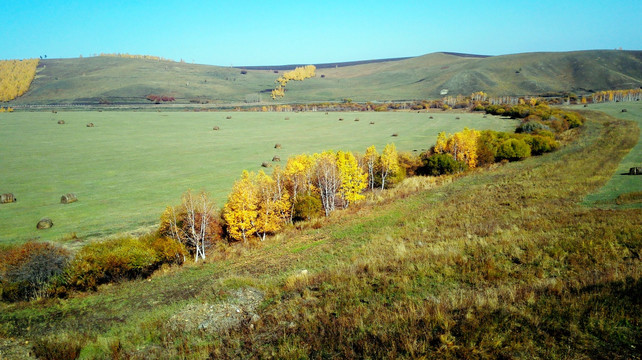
<point>431,275</point>
<point>131,165</point>
<point>120,80</point>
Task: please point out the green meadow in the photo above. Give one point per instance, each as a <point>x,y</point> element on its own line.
<point>131,165</point>
<point>621,183</point>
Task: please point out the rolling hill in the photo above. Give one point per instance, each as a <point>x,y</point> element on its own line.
<point>100,79</point>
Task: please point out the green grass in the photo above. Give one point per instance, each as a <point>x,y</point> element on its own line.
<point>131,165</point>
<point>502,263</point>
<point>620,183</point>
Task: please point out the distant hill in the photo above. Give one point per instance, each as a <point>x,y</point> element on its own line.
<point>120,80</point>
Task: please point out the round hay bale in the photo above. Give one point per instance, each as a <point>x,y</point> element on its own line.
<point>372,123</point>
<point>90,125</point>
<point>266,164</point>
<point>357,119</point>
<point>431,117</point>
<point>585,105</point>
<point>326,113</point>
<point>44,223</point>
<point>228,117</point>
<point>68,198</point>
<point>395,135</point>
<point>340,119</point>
<point>624,110</point>
<point>457,118</point>
<point>276,158</point>
<point>635,171</point>
<point>277,146</point>
<point>485,116</point>
<point>287,118</point>
<point>61,122</point>
<point>216,128</point>
<point>7,198</point>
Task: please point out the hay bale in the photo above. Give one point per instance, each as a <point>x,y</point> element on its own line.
<point>395,135</point>
<point>276,158</point>
<point>326,113</point>
<point>68,198</point>
<point>585,105</point>
<point>623,110</point>
<point>7,198</point>
<point>287,118</point>
<point>266,164</point>
<point>456,117</point>
<point>340,119</point>
<point>90,125</point>
<point>61,122</point>
<point>372,123</point>
<point>357,119</point>
<point>635,170</point>
<point>216,128</point>
<point>277,146</point>
<point>44,223</point>
<point>431,117</point>
<point>228,117</point>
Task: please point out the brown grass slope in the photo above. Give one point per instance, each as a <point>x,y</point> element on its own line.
<point>120,80</point>
<point>503,263</point>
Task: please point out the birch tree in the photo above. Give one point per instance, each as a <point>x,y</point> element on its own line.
<point>388,163</point>
<point>328,179</point>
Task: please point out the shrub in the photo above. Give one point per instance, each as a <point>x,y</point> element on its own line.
<point>530,127</point>
<point>118,259</point>
<point>409,163</point>
<point>574,119</point>
<point>27,271</point>
<point>307,207</point>
<point>441,164</point>
<point>541,144</point>
<point>513,150</point>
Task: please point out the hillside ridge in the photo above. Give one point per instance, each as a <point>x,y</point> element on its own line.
<point>112,80</point>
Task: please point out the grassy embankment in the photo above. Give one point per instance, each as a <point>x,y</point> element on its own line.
<point>501,263</point>
<point>131,165</point>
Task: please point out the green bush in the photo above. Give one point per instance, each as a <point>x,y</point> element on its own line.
<point>541,144</point>
<point>27,271</point>
<point>574,119</point>
<point>125,258</point>
<point>441,164</point>
<point>513,150</point>
<point>307,207</point>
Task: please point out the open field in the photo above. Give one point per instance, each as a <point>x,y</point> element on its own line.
<point>131,165</point>
<point>502,263</point>
<point>620,183</point>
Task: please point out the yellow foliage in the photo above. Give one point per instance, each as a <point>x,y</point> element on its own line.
<point>240,211</point>
<point>462,146</point>
<point>353,179</point>
<point>388,162</point>
<point>299,74</point>
<point>16,77</point>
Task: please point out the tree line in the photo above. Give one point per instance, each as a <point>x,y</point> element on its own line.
<point>300,73</point>
<point>16,77</point>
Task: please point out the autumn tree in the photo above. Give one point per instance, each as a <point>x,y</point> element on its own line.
<point>353,179</point>
<point>388,163</point>
<point>194,223</point>
<point>461,145</point>
<point>327,178</point>
<point>370,162</point>
<point>300,73</point>
<point>273,205</point>
<point>16,77</point>
<point>240,211</point>
<point>298,177</point>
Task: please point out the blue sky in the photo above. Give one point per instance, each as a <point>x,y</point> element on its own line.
<point>286,32</point>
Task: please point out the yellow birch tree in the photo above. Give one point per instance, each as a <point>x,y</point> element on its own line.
<point>240,211</point>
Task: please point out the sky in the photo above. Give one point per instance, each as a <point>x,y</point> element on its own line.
<point>285,32</point>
